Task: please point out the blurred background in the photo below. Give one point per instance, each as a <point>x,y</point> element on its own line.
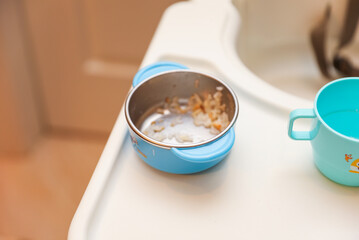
<point>65,69</point>
<point>67,65</point>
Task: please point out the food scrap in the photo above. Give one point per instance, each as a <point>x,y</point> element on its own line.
<point>208,112</point>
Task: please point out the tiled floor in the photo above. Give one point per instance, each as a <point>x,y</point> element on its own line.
<point>40,191</point>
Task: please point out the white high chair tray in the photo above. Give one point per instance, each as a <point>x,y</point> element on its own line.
<point>267,188</point>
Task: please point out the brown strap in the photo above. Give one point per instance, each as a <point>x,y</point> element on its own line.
<point>342,64</point>
<point>318,37</point>
<point>350,23</point>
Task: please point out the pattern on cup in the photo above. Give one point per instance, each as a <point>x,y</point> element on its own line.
<point>354,166</point>
<point>348,157</point>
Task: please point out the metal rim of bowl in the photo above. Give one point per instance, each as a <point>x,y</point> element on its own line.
<point>169,146</point>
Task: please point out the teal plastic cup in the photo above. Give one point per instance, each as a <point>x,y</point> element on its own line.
<point>334,135</point>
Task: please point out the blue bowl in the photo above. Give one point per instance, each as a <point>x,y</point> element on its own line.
<point>153,84</point>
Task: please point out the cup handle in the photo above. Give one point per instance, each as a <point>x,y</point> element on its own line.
<point>153,69</point>
<point>208,152</point>
<point>300,113</point>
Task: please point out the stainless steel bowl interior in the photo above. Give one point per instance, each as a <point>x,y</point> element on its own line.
<point>145,98</point>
